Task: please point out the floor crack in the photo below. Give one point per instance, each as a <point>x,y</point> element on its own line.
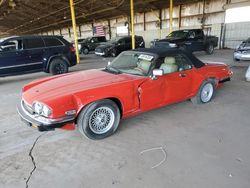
<point>33,160</point>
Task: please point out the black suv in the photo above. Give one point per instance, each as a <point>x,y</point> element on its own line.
<point>119,44</point>
<point>26,54</point>
<point>90,43</point>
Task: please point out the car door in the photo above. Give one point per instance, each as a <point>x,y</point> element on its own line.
<point>12,57</point>
<point>93,43</point>
<point>194,41</point>
<point>121,46</point>
<point>128,43</point>
<point>150,93</point>
<point>34,50</point>
<point>178,84</point>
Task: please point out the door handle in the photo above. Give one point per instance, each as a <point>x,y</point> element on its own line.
<point>182,75</point>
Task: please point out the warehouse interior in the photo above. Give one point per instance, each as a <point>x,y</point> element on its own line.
<point>151,18</point>
<point>183,144</point>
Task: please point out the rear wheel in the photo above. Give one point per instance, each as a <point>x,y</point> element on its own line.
<point>58,66</point>
<point>205,93</point>
<point>99,119</point>
<point>85,50</point>
<point>210,49</point>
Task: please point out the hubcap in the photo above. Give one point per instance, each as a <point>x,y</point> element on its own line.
<point>207,92</point>
<point>101,120</point>
<point>86,50</point>
<point>210,48</point>
<point>60,68</point>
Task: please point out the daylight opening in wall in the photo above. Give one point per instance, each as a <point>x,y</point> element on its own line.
<point>239,14</point>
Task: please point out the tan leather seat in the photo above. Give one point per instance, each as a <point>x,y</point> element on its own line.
<point>144,65</point>
<point>169,65</point>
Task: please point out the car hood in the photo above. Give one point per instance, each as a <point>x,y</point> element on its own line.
<point>69,84</point>
<point>105,45</point>
<point>171,39</point>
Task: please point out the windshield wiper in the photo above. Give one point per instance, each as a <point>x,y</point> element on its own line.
<point>112,69</point>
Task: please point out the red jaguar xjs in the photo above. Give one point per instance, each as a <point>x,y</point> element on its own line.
<point>136,81</point>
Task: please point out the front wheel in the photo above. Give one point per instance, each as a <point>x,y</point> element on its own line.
<point>205,93</point>
<point>114,53</point>
<point>58,66</point>
<point>99,119</point>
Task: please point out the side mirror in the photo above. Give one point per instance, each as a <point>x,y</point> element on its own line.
<point>156,73</point>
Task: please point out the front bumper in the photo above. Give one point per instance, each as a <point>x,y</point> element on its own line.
<point>242,55</point>
<point>42,123</point>
<point>100,53</point>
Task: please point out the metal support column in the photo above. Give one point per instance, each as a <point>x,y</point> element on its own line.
<point>132,23</point>
<point>179,20</point>
<point>72,9</point>
<point>170,16</point>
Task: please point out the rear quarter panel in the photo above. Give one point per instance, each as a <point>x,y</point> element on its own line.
<point>213,71</point>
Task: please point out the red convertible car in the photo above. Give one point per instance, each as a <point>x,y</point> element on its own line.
<point>136,81</point>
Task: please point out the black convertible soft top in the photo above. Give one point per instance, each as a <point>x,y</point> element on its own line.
<point>163,52</point>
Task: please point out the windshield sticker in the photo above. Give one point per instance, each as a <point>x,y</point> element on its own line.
<point>146,57</point>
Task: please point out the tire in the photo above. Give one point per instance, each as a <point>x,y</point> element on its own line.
<point>210,49</point>
<point>85,51</point>
<point>58,66</point>
<point>114,53</point>
<point>205,93</point>
<point>99,119</point>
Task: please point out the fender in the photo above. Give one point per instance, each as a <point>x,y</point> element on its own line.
<point>56,56</point>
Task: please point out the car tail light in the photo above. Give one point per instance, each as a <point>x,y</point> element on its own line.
<point>72,49</point>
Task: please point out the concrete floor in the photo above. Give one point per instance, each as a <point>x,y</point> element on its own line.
<point>206,145</point>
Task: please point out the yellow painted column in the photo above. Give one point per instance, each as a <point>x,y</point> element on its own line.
<point>171,16</point>
<point>132,23</point>
<point>73,18</point>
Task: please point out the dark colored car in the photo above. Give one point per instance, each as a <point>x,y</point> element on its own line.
<point>90,43</point>
<point>119,44</point>
<point>242,52</point>
<point>27,54</point>
<point>191,40</point>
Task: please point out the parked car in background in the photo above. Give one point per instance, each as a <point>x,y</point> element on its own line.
<point>136,81</point>
<point>26,54</point>
<point>90,43</point>
<point>191,40</point>
<point>119,44</point>
<point>80,41</point>
<point>242,52</point>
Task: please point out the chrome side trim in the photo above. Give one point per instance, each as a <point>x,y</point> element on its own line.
<point>22,65</point>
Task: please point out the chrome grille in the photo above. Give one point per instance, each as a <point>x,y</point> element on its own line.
<point>27,107</point>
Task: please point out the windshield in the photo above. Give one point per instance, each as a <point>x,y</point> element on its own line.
<point>131,62</point>
<point>113,40</point>
<point>179,34</point>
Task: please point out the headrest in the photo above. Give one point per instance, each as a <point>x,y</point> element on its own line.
<point>169,60</point>
<point>144,65</point>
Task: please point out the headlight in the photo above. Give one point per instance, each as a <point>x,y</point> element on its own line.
<point>172,45</point>
<point>41,109</point>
